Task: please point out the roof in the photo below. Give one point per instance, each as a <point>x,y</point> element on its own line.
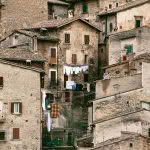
<point>124,136</point>
<point>58,2</point>
<point>20,54</point>
<point>39,70</point>
<point>33,34</point>
<point>54,23</point>
<point>145,56</point>
<point>125,7</point>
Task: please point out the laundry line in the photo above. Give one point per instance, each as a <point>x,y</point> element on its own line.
<point>69,69</point>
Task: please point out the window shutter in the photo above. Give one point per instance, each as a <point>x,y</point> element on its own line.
<point>12,108</point>
<point>20,108</point>
<point>74,58</point>
<point>67,38</point>
<point>53,75</point>
<point>67,96</point>
<point>1,81</point>
<point>53,52</point>
<point>15,133</point>
<point>86,39</point>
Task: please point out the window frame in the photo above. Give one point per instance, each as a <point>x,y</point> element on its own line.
<point>86,39</point>
<point>1,82</point>
<point>67,38</point>
<point>3,131</point>
<point>13,108</point>
<point>85,8</point>
<point>74,58</point>
<point>13,134</point>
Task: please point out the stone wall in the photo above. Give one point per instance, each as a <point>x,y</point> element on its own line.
<point>19,14</point>
<point>21,85</point>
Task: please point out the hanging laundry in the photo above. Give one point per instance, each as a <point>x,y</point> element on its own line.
<point>43,100</point>
<point>54,111</point>
<point>88,87</point>
<point>70,84</point>
<point>49,122</point>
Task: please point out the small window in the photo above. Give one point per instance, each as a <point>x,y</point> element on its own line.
<point>42,80</point>
<point>53,56</point>
<point>67,96</point>
<point>74,58</point>
<point>85,7</point>
<point>2,135</point>
<point>110,6</point>
<point>117,5</point>
<point>86,39</point>
<point>131,144</point>
<point>102,50</point>
<point>86,59</point>
<point>138,23</point>
<point>86,77</point>
<point>16,108</point>
<point>67,38</point>
<point>50,9</point>
<point>148,132</point>
<point>53,75</point>
<point>129,49</point>
<point>15,133</point>
<point>111,27</point>
<point>1,81</point>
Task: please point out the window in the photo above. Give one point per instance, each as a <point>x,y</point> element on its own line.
<point>15,133</point>
<point>129,49</point>
<point>86,77</point>
<point>42,80</point>
<point>111,27</point>
<point>74,58</point>
<point>1,81</point>
<point>138,23</point>
<point>85,7</point>
<point>117,5</point>
<point>67,96</point>
<point>53,56</point>
<point>53,76</point>
<point>86,39</point>
<point>16,108</point>
<point>50,9</point>
<point>86,59</point>
<point>110,6</point>
<point>102,50</point>
<point>65,80</point>
<point>131,144</point>
<point>2,135</point>
<point>67,38</point>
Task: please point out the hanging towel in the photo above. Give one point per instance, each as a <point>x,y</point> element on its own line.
<point>54,111</point>
<point>43,100</point>
<point>49,122</point>
<point>88,87</point>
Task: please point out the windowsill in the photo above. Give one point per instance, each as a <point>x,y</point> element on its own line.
<point>16,114</point>
<point>1,87</point>
<point>85,12</point>
<point>67,43</point>
<point>15,140</point>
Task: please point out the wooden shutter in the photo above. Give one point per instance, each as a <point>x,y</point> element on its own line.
<point>1,81</point>
<point>15,133</point>
<point>53,75</point>
<point>65,79</point>
<point>67,38</point>
<point>20,107</point>
<point>53,52</point>
<point>74,58</point>
<point>86,39</point>
<point>12,108</point>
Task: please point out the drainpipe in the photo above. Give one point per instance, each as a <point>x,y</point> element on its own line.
<point>106,22</point>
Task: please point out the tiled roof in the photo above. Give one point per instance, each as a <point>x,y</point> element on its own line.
<point>57,2</point>
<point>20,54</point>
<point>125,7</point>
<point>57,23</point>
<point>22,66</point>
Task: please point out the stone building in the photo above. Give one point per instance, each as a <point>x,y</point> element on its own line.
<point>90,8</point>
<point>19,14</point>
<point>66,44</point>
<point>20,122</point>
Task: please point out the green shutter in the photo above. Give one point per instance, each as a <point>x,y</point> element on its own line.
<point>85,8</point>
<point>129,49</point>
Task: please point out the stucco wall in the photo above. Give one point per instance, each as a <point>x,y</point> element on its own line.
<point>21,85</point>
<point>126,18</point>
